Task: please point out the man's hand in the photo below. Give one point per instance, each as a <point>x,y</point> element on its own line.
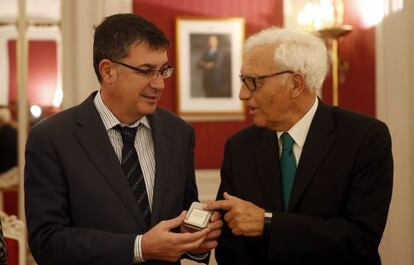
<point>243,217</point>
<point>162,244</point>
<point>210,241</point>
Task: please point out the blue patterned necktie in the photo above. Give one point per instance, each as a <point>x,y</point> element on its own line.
<point>132,170</point>
<point>288,167</point>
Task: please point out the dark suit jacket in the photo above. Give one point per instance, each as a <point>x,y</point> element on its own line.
<point>212,77</point>
<point>339,202</point>
<point>8,147</point>
<point>79,206</point>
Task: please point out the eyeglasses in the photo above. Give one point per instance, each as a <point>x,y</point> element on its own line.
<point>165,73</point>
<point>251,81</point>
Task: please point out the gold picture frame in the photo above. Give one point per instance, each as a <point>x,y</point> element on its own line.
<point>209,55</point>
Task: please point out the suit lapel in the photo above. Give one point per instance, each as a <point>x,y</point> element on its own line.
<point>162,149</point>
<point>267,158</point>
<point>318,142</point>
<point>94,139</point>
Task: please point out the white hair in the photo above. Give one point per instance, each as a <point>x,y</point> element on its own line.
<point>5,115</point>
<point>296,51</point>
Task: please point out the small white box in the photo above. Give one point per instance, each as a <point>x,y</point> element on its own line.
<point>197,218</point>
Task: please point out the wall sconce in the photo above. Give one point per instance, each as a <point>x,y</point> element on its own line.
<point>326,20</point>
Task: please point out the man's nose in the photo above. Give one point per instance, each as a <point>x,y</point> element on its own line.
<point>244,93</point>
<point>157,82</point>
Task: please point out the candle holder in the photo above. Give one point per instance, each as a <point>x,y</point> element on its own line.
<point>333,34</point>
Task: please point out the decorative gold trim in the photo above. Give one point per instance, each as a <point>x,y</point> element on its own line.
<point>12,227</point>
<point>15,229</point>
<point>9,179</point>
<point>333,34</point>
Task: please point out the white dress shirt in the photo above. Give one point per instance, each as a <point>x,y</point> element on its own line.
<point>144,146</point>
<point>299,131</point>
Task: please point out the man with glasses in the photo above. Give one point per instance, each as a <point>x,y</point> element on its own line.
<point>108,181</point>
<point>308,183</point>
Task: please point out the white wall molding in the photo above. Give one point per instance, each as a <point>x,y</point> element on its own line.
<point>208,181</point>
<point>78,19</point>
<point>7,33</point>
<point>394,72</point>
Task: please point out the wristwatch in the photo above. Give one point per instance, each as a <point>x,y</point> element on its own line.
<point>267,223</point>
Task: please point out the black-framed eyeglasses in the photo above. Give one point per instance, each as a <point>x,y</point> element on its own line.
<point>165,72</point>
<point>251,81</point>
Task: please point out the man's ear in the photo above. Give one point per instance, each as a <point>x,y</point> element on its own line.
<point>107,71</point>
<point>297,84</point>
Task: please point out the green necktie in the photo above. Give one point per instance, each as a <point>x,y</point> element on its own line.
<point>287,166</point>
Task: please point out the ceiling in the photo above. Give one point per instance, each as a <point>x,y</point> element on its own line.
<point>38,11</point>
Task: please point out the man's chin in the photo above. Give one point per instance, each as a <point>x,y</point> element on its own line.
<point>260,122</point>
<point>148,110</point>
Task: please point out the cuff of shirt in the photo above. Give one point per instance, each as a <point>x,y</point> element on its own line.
<point>138,257</point>
<point>198,256</point>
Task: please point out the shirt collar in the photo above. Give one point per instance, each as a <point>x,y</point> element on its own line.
<point>109,118</point>
<point>300,129</point>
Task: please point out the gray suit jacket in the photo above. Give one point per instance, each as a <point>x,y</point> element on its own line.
<point>79,206</point>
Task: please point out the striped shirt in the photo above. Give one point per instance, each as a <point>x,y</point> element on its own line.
<point>144,146</point>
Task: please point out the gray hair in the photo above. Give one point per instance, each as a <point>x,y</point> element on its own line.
<point>296,51</point>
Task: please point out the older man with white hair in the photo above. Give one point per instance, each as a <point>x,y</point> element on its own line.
<point>308,183</point>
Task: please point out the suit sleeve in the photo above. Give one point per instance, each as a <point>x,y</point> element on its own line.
<point>191,192</point>
<point>350,239</point>
<point>52,237</point>
<point>231,248</point>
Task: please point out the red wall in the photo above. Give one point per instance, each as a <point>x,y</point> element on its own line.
<point>42,82</point>
<point>42,79</point>
<point>357,87</point>
<point>210,136</point>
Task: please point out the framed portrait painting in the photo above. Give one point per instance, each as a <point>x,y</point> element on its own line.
<point>209,54</point>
